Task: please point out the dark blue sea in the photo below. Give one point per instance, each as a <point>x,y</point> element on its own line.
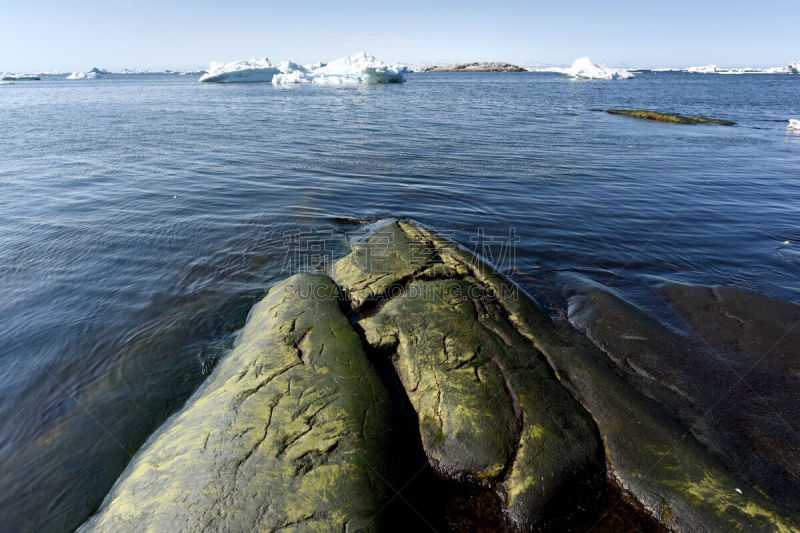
<point>143,215</point>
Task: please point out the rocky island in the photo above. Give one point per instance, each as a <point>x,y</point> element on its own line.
<point>486,66</point>
<point>413,363</point>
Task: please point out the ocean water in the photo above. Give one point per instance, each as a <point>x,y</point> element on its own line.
<point>142,216</point>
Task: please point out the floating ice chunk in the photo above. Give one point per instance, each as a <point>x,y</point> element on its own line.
<point>241,71</point>
<point>791,68</point>
<point>91,75</point>
<point>706,69</point>
<point>559,70</point>
<point>794,124</point>
<point>584,68</point>
<point>19,77</point>
<point>360,68</point>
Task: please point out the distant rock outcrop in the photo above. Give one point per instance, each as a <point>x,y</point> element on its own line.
<point>670,117</point>
<point>485,66</point>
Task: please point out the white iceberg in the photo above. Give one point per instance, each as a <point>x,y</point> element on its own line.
<point>746,70</point>
<point>585,68</point>
<point>83,76</point>
<point>19,77</point>
<point>93,74</point>
<point>705,69</point>
<point>713,69</point>
<point>240,71</point>
<point>360,68</point>
<point>794,124</point>
<point>559,70</point>
<point>791,68</point>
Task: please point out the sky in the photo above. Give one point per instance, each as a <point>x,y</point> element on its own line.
<point>44,35</point>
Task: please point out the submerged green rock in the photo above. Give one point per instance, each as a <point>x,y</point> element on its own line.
<point>669,117</point>
<point>734,382</point>
<point>288,433</point>
<point>690,415</point>
<point>754,341</point>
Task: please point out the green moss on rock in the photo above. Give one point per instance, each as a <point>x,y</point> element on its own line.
<point>649,452</point>
<point>443,360</point>
<point>669,117</point>
<point>288,433</point>
<point>488,404</point>
<point>377,264</point>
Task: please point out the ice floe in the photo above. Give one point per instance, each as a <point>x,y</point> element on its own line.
<point>585,68</point>
<point>794,125</point>
<point>83,76</point>
<point>791,68</point>
<point>705,69</point>
<point>19,77</point>
<point>360,68</point>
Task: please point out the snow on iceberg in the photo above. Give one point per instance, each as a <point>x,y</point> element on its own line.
<point>19,77</point>
<point>558,70</point>
<point>794,125</point>
<point>705,69</point>
<point>240,71</point>
<point>792,68</point>
<point>584,68</point>
<point>93,74</point>
<point>360,68</point>
<point>83,76</point>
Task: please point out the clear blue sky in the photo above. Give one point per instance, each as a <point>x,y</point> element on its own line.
<point>40,35</point>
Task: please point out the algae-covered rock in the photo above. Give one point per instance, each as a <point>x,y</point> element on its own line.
<point>289,432</point>
<point>444,359</point>
<point>487,403</point>
<point>669,117</point>
<point>754,343</point>
<point>649,452</point>
<point>378,264</point>
<point>691,455</point>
